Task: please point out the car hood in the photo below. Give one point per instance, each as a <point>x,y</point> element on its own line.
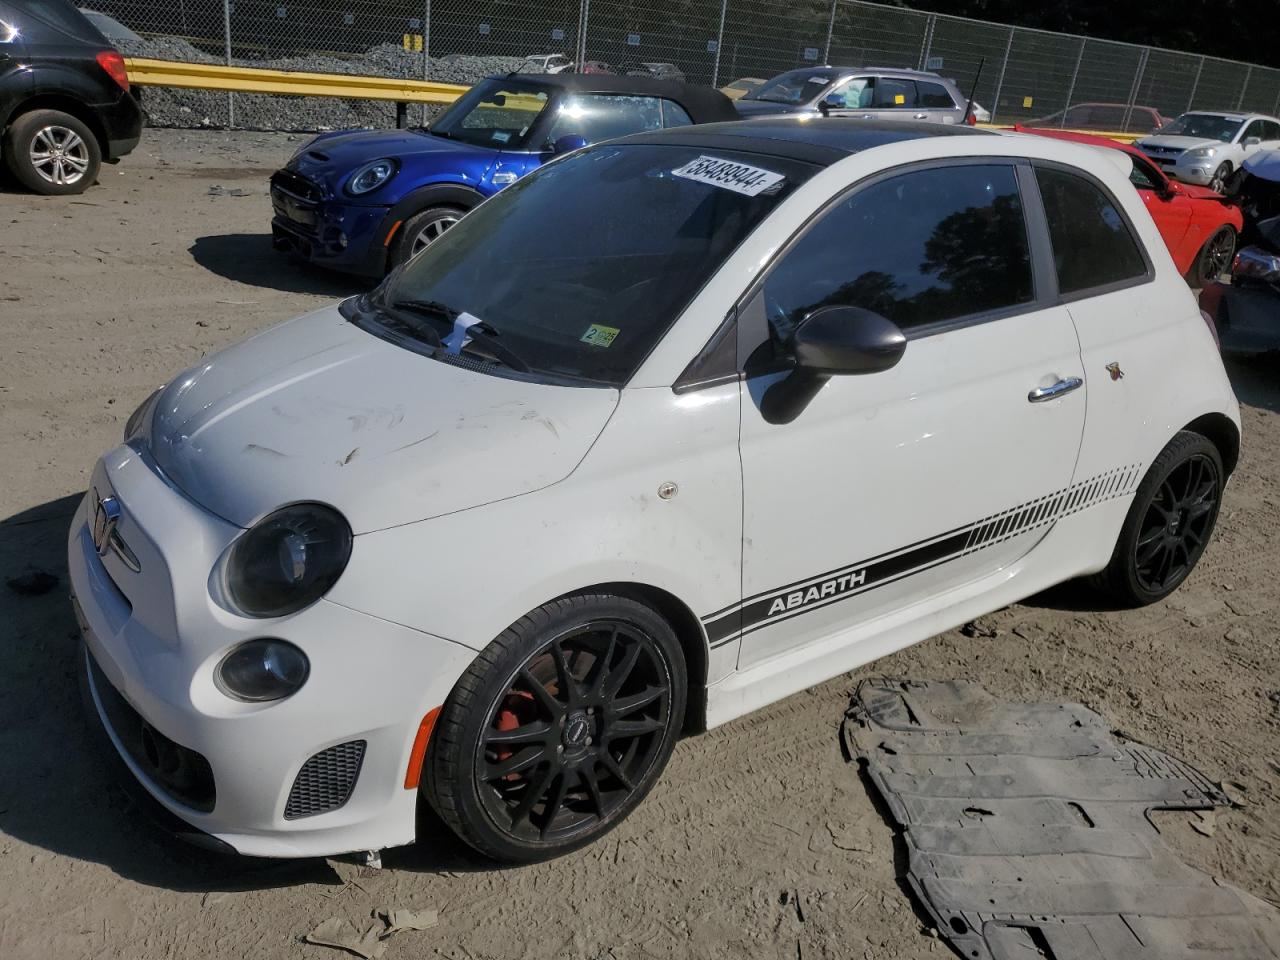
<point>318,409</point>
<point>765,108</point>
<point>332,157</point>
<point>1264,164</point>
<point>1178,143</point>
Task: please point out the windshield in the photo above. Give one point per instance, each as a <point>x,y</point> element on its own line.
<point>577,271</point>
<point>796,87</point>
<point>1205,126</point>
<point>495,113</point>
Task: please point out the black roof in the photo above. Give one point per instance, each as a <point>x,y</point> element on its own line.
<point>703,104</point>
<point>820,140</point>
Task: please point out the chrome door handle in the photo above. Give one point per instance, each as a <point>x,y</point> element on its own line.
<point>1041,394</point>
<point>921,116</point>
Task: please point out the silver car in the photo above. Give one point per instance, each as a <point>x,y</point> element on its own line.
<point>866,92</point>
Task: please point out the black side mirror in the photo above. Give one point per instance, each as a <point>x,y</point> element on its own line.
<point>568,143</point>
<point>832,342</point>
<point>827,104</point>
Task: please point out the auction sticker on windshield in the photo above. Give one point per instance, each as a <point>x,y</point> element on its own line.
<point>729,174</point>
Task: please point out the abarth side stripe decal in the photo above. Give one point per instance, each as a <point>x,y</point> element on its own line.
<point>812,593</point>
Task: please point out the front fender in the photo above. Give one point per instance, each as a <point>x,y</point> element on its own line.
<point>429,195</point>
<point>469,575</point>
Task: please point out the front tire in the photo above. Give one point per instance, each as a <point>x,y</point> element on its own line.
<point>423,229</point>
<point>559,728</point>
<point>52,153</point>
<point>1214,257</point>
<point>1169,523</point>
<point>1218,181</point>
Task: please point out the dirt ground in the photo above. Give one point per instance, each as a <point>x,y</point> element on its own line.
<point>760,840</point>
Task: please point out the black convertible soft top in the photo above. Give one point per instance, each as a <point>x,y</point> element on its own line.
<point>703,104</point>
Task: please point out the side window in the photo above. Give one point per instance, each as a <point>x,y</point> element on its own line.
<point>1092,245</point>
<point>1272,130</point>
<point>856,94</point>
<point>598,117</point>
<point>892,93</point>
<point>919,248</point>
<point>674,115</point>
<point>934,96</point>
<point>1255,129</point>
<point>1142,176</point>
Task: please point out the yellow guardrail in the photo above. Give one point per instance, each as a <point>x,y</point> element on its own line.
<point>212,76</point>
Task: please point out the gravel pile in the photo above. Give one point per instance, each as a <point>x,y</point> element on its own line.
<point>174,107</point>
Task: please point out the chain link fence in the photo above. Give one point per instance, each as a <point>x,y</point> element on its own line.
<point>1027,76</point>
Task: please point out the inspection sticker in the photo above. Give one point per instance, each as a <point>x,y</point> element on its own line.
<point>738,177</point>
<point>599,336</point>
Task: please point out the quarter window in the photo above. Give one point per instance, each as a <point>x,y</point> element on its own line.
<point>934,96</point>
<point>1092,244</point>
<point>919,248</point>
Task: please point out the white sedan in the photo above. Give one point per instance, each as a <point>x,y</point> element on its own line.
<point>770,401</point>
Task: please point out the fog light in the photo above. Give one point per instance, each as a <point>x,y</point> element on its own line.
<point>262,670</point>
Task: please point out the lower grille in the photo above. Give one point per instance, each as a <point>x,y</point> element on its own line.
<point>180,772</point>
<point>325,781</point>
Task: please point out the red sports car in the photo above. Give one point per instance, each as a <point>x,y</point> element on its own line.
<point>1199,225</point>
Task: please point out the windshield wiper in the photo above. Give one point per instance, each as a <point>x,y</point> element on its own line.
<point>427,308</point>
<point>497,350</point>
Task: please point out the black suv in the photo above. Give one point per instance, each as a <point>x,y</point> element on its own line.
<point>65,104</point>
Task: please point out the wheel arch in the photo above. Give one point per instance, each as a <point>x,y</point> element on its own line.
<point>1219,430</point>
<point>688,630</point>
<point>432,195</point>
<point>66,104</point>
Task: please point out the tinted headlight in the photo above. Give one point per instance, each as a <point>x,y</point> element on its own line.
<point>139,422</point>
<point>262,670</point>
<point>371,176</point>
<point>288,560</point>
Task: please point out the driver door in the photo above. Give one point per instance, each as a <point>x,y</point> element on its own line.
<point>889,488</point>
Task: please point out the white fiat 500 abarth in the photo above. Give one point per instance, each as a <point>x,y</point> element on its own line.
<point>674,427</point>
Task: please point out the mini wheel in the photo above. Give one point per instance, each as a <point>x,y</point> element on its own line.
<point>559,728</point>
<point>1169,523</point>
<point>423,229</point>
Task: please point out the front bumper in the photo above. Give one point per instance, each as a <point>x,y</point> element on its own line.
<point>327,232</point>
<point>154,637</point>
<point>1189,171</point>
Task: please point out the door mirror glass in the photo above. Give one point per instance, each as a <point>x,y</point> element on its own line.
<point>1252,141</point>
<point>840,340</point>
<point>568,144</point>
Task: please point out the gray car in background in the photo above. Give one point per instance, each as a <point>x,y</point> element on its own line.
<point>881,93</point>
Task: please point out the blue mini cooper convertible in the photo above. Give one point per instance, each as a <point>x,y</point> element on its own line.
<point>364,201</point>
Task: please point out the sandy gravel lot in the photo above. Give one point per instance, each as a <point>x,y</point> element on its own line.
<point>760,841</point>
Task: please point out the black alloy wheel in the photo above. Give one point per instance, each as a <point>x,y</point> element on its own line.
<point>1177,523</point>
<point>1169,523</point>
<point>559,729</point>
<point>1214,257</point>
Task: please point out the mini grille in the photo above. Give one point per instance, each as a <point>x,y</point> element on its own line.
<point>325,781</point>
<point>296,185</point>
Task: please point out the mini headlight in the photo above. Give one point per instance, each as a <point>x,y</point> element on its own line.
<point>139,422</point>
<point>371,176</point>
<point>288,560</point>
<point>262,670</point>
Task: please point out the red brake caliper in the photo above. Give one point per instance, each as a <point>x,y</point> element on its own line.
<point>517,709</point>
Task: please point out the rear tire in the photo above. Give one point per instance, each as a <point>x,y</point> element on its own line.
<point>421,230</point>
<point>1169,523</point>
<point>1214,257</point>
<point>559,728</point>
<point>52,153</point>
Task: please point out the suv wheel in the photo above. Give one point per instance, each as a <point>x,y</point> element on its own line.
<point>1219,180</point>
<point>559,728</point>
<point>1169,523</point>
<point>52,152</point>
